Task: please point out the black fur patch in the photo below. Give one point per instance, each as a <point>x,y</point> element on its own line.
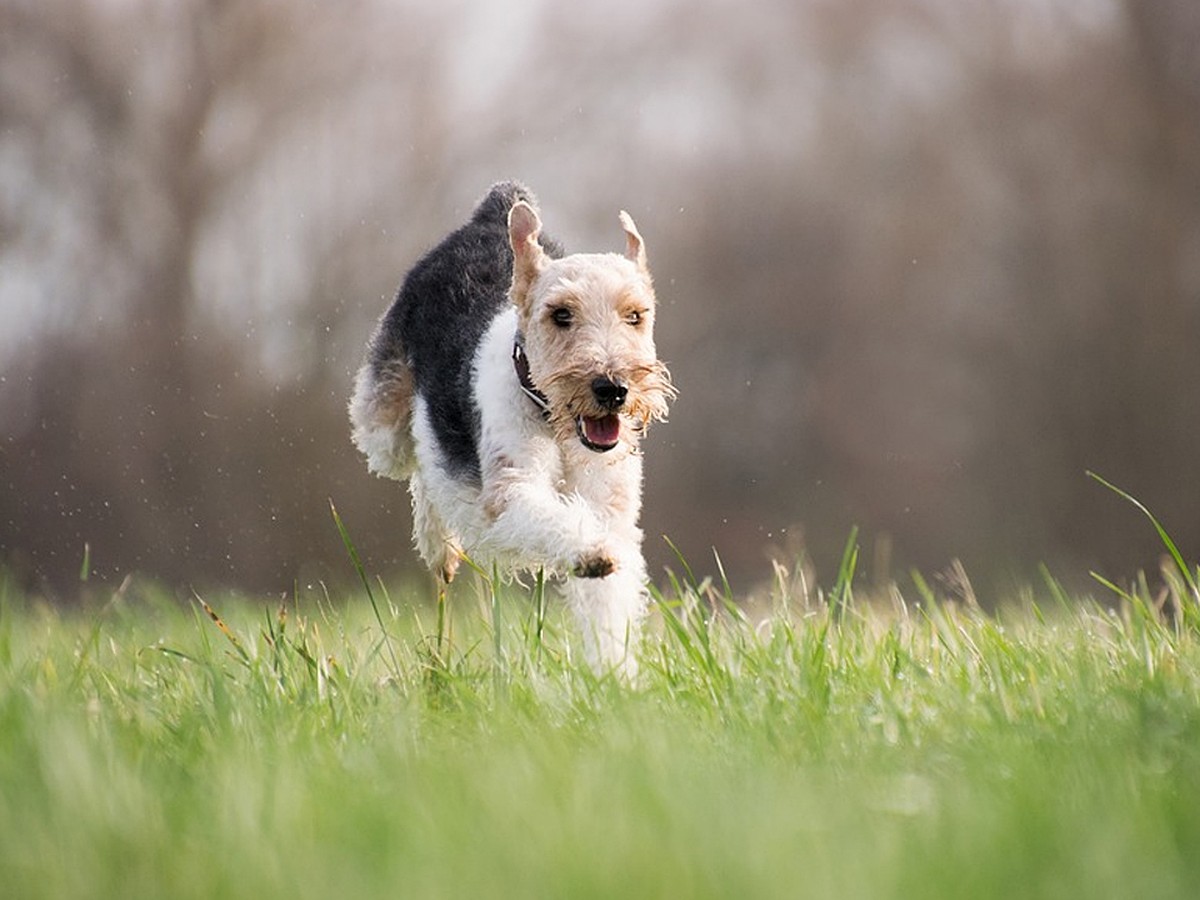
<point>443,309</point>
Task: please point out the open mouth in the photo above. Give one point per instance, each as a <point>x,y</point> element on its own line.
<point>599,434</point>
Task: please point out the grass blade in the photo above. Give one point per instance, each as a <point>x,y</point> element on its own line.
<point>224,629</point>
<point>366,583</point>
<point>1184,571</point>
<point>839,598</point>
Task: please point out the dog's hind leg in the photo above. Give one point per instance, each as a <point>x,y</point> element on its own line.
<point>380,416</point>
<point>438,546</point>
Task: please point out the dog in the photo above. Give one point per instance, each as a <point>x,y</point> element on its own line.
<point>511,385</point>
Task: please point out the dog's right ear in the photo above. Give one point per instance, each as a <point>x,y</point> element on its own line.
<point>529,259</point>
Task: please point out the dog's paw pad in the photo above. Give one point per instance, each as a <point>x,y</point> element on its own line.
<point>594,566</point>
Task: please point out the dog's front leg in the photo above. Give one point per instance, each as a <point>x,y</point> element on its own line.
<point>530,520</point>
<point>609,612</point>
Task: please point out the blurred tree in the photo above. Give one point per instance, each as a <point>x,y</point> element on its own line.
<point>921,264</point>
<point>145,420</point>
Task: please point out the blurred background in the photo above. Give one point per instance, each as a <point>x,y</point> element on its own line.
<point>921,264</point>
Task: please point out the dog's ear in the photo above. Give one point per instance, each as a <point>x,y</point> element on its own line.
<point>635,247</point>
<point>529,259</point>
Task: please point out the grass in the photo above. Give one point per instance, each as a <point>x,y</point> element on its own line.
<point>832,747</point>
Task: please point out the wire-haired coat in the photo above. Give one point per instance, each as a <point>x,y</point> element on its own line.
<point>510,384</point>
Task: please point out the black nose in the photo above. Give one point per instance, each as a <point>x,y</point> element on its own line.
<point>609,394</point>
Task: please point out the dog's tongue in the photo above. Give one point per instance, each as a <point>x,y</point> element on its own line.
<point>602,433</point>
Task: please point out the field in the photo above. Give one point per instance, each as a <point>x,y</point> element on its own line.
<point>903,744</point>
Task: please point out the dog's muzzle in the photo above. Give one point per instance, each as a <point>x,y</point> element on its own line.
<point>603,433</point>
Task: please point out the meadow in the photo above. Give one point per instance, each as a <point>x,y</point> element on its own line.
<point>825,743</point>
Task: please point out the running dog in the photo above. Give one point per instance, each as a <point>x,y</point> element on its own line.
<point>511,385</point>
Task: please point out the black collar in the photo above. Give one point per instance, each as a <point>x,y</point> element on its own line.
<point>521,364</point>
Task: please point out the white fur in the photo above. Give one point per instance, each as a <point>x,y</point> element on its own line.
<point>544,499</point>
<point>385,447</point>
<point>553,501</point>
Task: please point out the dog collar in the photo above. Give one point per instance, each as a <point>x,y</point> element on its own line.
<point>521,365</point>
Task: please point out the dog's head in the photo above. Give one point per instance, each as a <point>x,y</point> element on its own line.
<point>588,326</point>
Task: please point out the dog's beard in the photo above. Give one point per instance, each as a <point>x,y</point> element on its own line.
<point>574,412</point>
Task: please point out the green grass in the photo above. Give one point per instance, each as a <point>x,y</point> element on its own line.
<point>884,747</point>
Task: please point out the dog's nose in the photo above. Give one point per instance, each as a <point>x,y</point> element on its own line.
<point>609,394</point>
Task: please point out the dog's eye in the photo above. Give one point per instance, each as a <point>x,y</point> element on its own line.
<point>635,318</point>
<point>561,317</point>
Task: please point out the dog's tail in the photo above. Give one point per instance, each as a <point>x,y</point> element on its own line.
<point>499,199</point>
<point>493,210</point>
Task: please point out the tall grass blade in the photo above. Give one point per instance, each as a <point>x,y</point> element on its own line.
<point>727,600</point>
<point>1136,604</point>
<point>493,589</point>
<point>842,592</point>
<point>356,561</point>
<point>441,618</point>
<point>1057,592</point>
<point>1184,571</point>
<point>539,610</point>
<point>687,569</point>
<point>224,629</point>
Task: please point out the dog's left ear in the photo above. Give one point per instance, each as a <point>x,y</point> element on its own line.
<point>635,247</point>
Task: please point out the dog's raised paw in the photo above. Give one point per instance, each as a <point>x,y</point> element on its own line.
<point>594,566</point>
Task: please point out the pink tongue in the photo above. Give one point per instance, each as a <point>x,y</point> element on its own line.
<point>602,432</point>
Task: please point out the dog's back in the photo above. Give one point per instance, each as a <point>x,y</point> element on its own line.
<point>426,341</point>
